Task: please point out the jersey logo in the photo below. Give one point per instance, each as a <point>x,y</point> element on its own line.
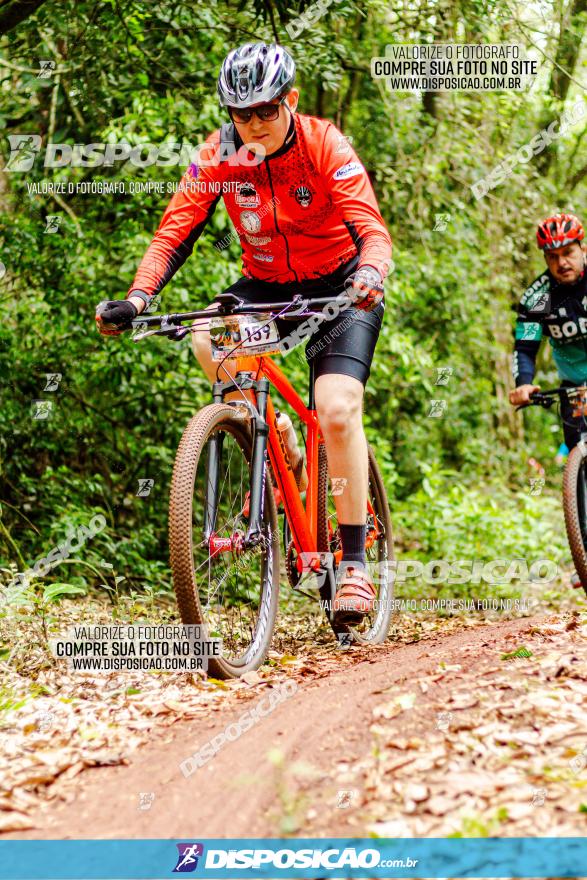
<point>538,300</point>
<point>303,196</point>
<point>349,170</point>
<point>537,297</point>
<point>250,221</point>
<point>528,330</point>
<point>258,240</point>
<point>569,329</point>
<point>247,196</point>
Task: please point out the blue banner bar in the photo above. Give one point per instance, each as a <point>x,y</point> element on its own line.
<point>275,858</point>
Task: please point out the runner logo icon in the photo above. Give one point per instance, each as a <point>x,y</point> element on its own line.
<point>187,860</point>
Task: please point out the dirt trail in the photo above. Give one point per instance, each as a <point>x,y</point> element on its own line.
<point>309,767</point>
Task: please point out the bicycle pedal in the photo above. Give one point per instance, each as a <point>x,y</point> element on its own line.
<point>576,581</point>
<point>347,617</point>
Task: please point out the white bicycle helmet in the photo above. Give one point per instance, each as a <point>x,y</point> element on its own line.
<point>255,74</point>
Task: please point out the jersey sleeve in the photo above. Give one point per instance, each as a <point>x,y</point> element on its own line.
<point>347,181</point>
<point>184,220</point>
<point>534,304</point>
<point>528,335</point>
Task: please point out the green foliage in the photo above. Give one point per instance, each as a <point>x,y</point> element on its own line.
<point>9,702</point>
<point>483,519</point>
<point>475,826</point>
<point>514,655</point>
<point>146,73</point>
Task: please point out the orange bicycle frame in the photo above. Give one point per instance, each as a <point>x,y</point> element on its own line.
<point>303,522</point>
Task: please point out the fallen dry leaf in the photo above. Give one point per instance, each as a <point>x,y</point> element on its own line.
<point>251,678</point>
<point>463,701</point>
<point>416,791</point>
<point>103,758</point>
<point>440,805</point>
<point>15,822</point>
<point>395,706</point>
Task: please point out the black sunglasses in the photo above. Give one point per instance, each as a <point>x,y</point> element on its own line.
<point>265,112</point>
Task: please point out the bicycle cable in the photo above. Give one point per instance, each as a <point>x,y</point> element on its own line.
<point>231,353</point>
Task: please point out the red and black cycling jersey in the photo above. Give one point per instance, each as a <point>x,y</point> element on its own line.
<point>301,213</point>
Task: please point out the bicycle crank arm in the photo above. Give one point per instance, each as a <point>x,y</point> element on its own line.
<point>327,581</point>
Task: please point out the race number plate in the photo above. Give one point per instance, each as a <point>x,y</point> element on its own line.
<point>237,336</point>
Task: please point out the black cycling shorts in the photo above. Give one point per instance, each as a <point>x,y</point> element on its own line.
<point>572,425</point>
<point>344,345</point>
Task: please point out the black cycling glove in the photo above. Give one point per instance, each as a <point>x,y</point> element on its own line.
<point>114,316</point>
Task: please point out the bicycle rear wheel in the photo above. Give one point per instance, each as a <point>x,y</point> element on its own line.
<point>230,591</point>
<point>575,508</point>
<point>374,627</point>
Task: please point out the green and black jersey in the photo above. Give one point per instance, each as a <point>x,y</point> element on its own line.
<point>559,312</point>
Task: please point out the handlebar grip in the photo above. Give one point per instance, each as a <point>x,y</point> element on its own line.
<point>101,307</point>
<point>537,399</point>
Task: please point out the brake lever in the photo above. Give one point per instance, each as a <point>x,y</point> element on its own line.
<point>180,333</point>
<point>545,402</point>
<point>144,334</point>
<point>300,308</point>
<point>175,333</point>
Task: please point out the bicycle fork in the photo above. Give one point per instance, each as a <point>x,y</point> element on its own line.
<point>258,465</point>
<point>260,431</point>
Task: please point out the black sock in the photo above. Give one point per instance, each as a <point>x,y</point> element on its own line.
<point>353,543</point>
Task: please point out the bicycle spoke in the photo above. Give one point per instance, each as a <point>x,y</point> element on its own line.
<point>230,580</point>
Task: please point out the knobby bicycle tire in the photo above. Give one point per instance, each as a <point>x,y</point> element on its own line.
<point>198,431</point>
<point>378,632</point>
<point>574,506</point>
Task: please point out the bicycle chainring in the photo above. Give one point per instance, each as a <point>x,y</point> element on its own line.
<point>293,575</point>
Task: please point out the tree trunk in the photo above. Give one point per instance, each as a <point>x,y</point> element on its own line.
<point>13,12</point>
<point>565,61</point>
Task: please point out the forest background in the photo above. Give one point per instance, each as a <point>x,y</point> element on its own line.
<point>459,484</point>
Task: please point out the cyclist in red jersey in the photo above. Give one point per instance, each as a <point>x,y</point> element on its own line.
<point>308,222</point>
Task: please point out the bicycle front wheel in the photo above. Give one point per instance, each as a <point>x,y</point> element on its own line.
<point>232,592</point>
<point>575,508</point>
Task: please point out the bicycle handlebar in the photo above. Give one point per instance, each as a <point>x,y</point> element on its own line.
<point>229,304</point>
<point>546,399</point>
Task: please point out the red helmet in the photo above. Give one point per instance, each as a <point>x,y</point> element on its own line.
<point>558,231</point>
